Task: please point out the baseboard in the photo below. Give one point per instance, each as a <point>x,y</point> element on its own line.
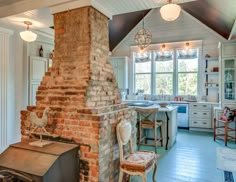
<point>201,129</point>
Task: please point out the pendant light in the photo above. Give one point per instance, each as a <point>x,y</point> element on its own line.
<point>28,35</point>
<point>170,11</point>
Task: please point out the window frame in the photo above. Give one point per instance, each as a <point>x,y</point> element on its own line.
<point>171,46</point>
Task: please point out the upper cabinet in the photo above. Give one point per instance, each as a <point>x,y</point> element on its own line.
<point>120,68</point>
<point>228,73</point>
<point>228,49</point>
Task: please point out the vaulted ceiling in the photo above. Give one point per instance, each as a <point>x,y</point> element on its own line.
<point>218,15</point>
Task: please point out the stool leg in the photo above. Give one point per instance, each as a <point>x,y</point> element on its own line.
<point>155,139</point>
<point>161,136</point>
<point>235,132</point>
<point>140,136</point>
<point>226,133</point>
<point>214,129</point>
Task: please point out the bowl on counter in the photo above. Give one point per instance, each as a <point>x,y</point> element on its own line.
<point>163,104</point>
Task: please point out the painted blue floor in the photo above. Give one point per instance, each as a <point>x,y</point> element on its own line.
<point>191,159</point>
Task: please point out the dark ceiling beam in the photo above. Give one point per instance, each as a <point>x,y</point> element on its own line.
<point>210,16</point>
<point>121,25</point>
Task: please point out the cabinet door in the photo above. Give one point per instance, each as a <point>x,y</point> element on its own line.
<point>38,66</point>
<point>120,68</point>
<point>228,85</point>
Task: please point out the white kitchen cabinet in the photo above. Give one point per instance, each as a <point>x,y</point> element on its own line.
<point>37,68</point>
<point>120,68</point>
<point>200,115</point>
<point>228,73</point>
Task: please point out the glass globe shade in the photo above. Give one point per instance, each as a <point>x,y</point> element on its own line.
<point>28,36</point>
<point>170,12</point>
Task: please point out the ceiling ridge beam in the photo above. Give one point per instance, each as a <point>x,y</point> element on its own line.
<point>128,34</point>
<point>203,24</point>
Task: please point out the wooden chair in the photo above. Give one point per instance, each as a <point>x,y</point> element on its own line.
<point>225,127</point>
<point>134,163</point>
<point>147,119</point>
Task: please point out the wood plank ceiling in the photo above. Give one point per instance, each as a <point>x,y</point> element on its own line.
<point>216,14</point>
<point>219,15</point>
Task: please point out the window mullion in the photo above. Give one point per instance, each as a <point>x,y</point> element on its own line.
<point>175,74</point>
<point>153,76</point>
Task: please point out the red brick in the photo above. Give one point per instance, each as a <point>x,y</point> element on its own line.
<point>91,155</point>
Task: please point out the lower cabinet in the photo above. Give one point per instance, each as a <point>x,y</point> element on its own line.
<point>200,115</point>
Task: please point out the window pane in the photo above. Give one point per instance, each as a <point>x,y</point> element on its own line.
<point>165,66</point>
<point>164,84</point>
<point>188,65</point>
<point>164,61</point>
<point>187,84</point>
<point>143,82</point>
<point>143,67</point>
<point>187,60</point>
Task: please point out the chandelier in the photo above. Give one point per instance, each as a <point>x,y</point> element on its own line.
<point>27,35</point>
<point>143,37</point>
<point>170,11</point>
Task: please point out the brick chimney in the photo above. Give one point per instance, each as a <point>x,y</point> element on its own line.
<point>81,91</point>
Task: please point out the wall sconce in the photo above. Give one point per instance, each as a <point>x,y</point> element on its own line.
<point>28,35</point>
<point>187,45</point>
<point>163,47</point>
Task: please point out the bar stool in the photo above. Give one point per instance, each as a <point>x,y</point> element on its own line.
<point>223,128</point>
<point>147,118</point>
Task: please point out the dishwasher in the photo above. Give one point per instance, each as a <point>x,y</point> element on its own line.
<point>182,115</point>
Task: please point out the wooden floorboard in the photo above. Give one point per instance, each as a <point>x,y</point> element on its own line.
<point>191,159</point>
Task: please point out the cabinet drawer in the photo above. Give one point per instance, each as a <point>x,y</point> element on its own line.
<point>203,123</point>
<point>200,114</point>
<point>200,106</point>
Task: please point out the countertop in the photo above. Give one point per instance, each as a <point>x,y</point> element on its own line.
<point>169,102</point>
<point>160,109</point>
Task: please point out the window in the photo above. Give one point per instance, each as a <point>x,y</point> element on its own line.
<point>143,72</point>
<point>164,72</point>
<point>187,71</point>
<point>172,72</point>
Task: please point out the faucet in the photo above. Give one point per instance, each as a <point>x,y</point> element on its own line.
<point>162,96</point>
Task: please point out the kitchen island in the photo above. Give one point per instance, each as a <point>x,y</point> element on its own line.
<point>168,115</point>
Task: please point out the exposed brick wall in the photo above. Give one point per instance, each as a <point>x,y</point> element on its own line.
<point>81,91</point>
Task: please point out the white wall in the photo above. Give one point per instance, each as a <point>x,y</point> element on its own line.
<point>185,28</point>
<point>7,88</point>
<point>14,56</point>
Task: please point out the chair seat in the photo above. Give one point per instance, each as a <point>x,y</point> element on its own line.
<point>148,124</point>
<point>139,161</point>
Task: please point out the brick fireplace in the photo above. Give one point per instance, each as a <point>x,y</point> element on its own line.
<point>81,91</point>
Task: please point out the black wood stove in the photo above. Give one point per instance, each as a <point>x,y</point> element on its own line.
<point>57,162</point>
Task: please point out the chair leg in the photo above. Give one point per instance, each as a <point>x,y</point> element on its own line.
<point>161,136</point>
<point>154,172</point>
<point>121,174</point>
<point>144,178</point>
<point>226,133</point>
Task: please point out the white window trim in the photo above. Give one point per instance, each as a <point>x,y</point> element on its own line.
<point>168,46</point>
